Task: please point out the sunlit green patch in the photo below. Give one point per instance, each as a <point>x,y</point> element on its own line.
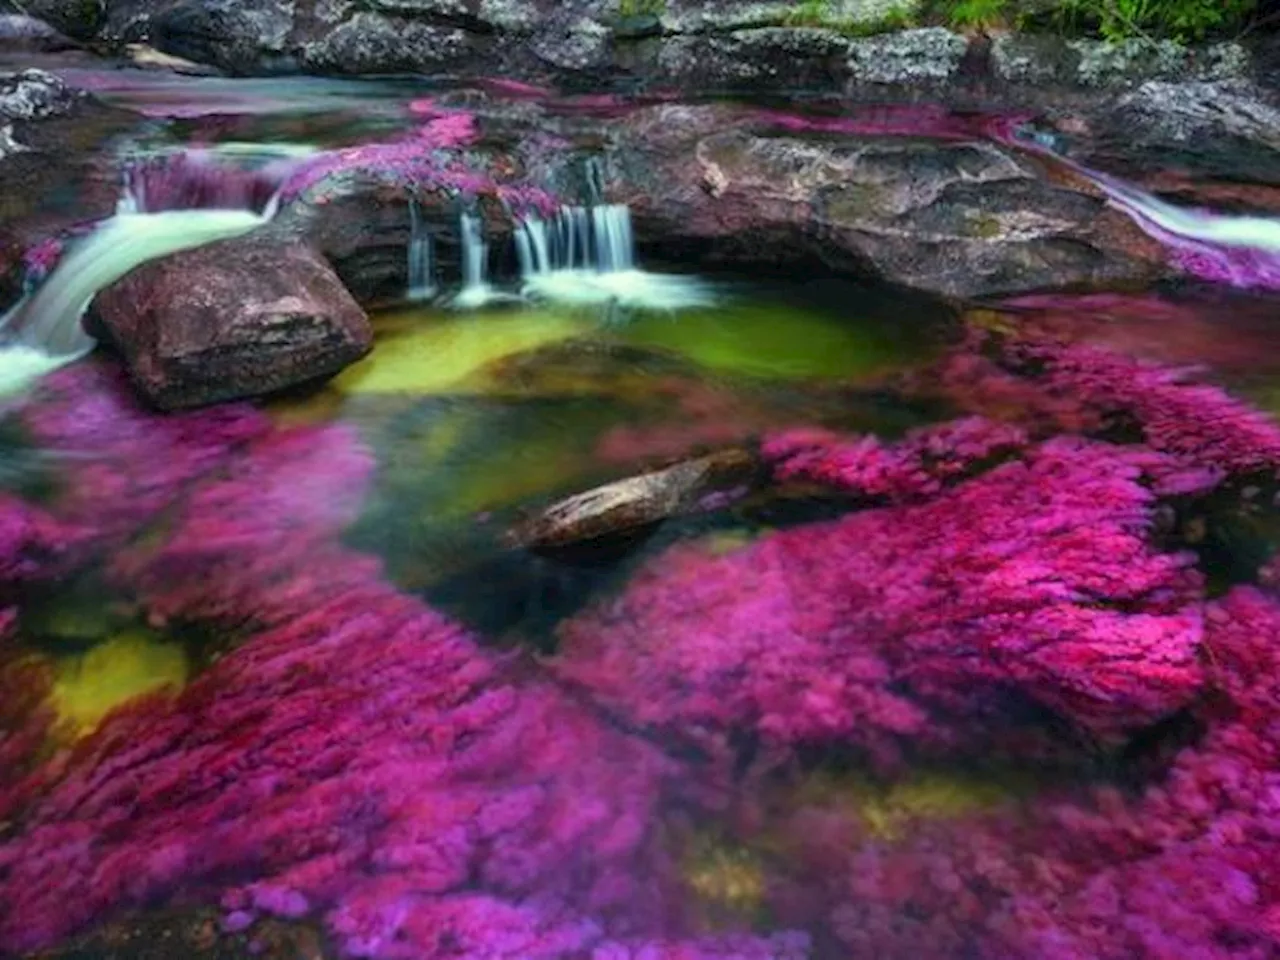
<point>88,686</point>
<point>426,352</point>
<point>778,342</point>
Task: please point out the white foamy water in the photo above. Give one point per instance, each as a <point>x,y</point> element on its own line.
<point>586,257</point>
<point>44,330</point>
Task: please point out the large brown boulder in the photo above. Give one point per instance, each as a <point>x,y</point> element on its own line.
<point>237,318</point>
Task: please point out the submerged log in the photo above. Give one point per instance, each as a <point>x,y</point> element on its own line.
<point>633,504</point>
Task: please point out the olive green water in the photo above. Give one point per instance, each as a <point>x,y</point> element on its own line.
<point>475,417</point>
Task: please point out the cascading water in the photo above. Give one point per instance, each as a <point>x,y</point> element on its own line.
<point>1243,251</point>
<point>422,284</point>
<point>476,290</point>
<point>154,218</point>
<point>586,257</point>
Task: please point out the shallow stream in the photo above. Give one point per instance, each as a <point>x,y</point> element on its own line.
<point>278,681</point>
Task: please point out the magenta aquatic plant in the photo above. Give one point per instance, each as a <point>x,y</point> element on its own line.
<point>1034,579</point>
<point>429,156</point>
<point>1188,866</point>
<point>357,756</point>
<point>194,179</point>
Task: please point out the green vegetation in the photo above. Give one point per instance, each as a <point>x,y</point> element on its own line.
<point>822,13</point>
<point>642,8</point>
<point>1112,19</point>
<point>978,14</point>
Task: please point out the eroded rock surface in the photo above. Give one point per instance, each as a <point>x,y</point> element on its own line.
<point>963,218</point>
<point>233,319</point>
<point>53,172</point>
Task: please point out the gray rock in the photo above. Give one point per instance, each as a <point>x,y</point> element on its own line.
<point>1225,131</point>
<point>18,30</point>
<point>424,9</point>
<point>722,16</point>
<point>1106,64</point>
<point>240,36</point>
<point>579,44</point>
<point>870,13</point>
<point>796,57</point>
<point>961,219</point>
<point>76,18</point>
<point>372,43</point>
<point>1183,112</point>
<point>1038,60</point>
<point>510,16</point>
<point>35,95</point>
<point>930,54</point>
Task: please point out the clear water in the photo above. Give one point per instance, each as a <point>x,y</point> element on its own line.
<point>424,457</point>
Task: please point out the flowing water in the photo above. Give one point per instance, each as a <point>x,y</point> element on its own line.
<point>973,661</point>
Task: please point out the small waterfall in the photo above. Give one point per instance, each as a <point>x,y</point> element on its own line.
<point>476,290</point>
<point>586,257</point>
<point>615,245</point>
<point>422,284</point>
<point>1243,251</point>
<point>43,330</point>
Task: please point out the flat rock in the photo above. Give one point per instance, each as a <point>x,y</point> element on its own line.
<point>634,503</point>
<point>238,318</point>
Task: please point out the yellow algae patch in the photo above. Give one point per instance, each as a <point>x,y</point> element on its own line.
<point>88,686</point>
<point>421,352</point>
<point>727,878</point>
<point>724,542</point>
<point>995,321</point>
<point>888,809</point>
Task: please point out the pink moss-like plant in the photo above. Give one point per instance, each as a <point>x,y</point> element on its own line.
<point>356,756</point>
<point>430,156</point>
<point>1036,578</point>
<point>1187,867</point>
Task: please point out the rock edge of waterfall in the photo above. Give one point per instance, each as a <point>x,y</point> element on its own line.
<point>913,197</point>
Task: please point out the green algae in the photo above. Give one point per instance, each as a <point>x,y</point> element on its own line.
<point>777,341</point>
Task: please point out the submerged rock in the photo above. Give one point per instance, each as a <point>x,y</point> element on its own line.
<point>234,319</point>
<point>632,504</point>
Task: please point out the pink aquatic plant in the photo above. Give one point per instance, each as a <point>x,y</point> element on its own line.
<point>1035,579</point>
<point>195,179</point>
<point>356,756</point>
<point>1186,866</point>
<point>1050,385</point>
<point>40,259</point>
<point>898,120</point>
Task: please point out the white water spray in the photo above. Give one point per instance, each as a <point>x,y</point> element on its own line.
<point>476,290</point>
<point>44,330</point>
<point>586,257</point>
<point>422,284</point>
<point>1241,250</point>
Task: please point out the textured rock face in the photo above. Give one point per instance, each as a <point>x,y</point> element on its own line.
<point>234,319</point>
<point>721,43</point>
<point>962,219</point>
<point>20,32</point>
<point>50,137</point>
<point>75,18</point>
<point>1214,130</point>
